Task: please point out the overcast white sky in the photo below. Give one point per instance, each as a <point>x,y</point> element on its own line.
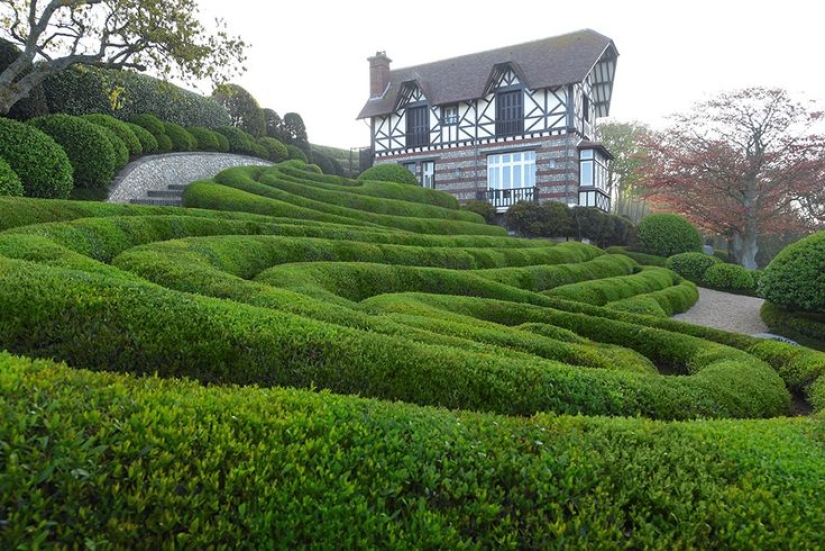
<point>310,56</point>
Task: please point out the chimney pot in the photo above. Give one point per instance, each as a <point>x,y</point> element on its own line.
<point>379,73</point>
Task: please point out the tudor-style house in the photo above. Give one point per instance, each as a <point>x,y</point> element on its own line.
<point>503,125</point>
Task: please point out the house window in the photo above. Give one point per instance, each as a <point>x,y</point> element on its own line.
<point>409,166</point>
<point>428,174</point>
<point>449,115</point>
<point>418,126</point>
<point>509,113</point>
<point>586,107</point>
<point>511,170</point>
<point>592,169</point>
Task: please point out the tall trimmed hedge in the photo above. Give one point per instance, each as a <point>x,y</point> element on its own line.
<point>667,234</point>
<point>389,173</point>
<point>122,129</point>
<point>81,90</point>
<point>181,139</point>
<point>154,126</point>
<point>691,265</point>
<point>42,165</point>
<point>32,105</point>
<point>239,141</point>
<point>148,143</point>
<point>795,278</point>
<point>89,150</point>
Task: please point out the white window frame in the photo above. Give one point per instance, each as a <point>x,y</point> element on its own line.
<point>428,174</point>
<point>511,170</point>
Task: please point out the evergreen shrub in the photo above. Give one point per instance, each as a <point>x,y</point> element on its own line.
<point>691,265</point>
<point>86,144</point>
<point>9,181</point>
<point>181,139</point>
<point>148,143</point>
<point>42,165</point>
<point>728,277</point>
<point>275,150</point>
<point>206,139</point>
<point>34,103</point>
<point>155,127</point>
<point>483,208</point>
<point>389,173</point>
<point>122,129</point>
<point>239,141</point>
<point>795,278</point>
<point>667,234</point>
<point>296,153</point>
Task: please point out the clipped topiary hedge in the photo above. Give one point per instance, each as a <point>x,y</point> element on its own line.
<point>275,150</point>
<point>389,173</point>
<point>807,328</point>
<point>86,144</point>
<point>9,181</point>
<point>728,277</point>
<point>157,128</point>
<point>182,140</point>
<point>691,265</point>
<point>795,278</point>
<point>206,139</point>
<point>295,153</point>
<point>239,141</point>
<point>122,129</point>
<point>148,143</point>
<point>666,234</point>
<point>42,165</point>
<point>81,90</point>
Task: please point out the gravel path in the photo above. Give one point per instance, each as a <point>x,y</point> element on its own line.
<point>733,313</point>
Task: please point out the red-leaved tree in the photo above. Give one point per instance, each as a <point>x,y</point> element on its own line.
<point>741,165</point>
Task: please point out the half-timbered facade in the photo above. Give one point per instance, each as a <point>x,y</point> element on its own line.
<point>503,125</point>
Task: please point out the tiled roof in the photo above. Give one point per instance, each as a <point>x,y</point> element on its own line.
<point>545,63</point>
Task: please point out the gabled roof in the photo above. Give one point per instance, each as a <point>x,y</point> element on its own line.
<point>545,63</point>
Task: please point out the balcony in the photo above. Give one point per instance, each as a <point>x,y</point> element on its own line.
<point>504,198</point>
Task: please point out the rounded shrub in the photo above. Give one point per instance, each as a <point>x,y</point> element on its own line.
<point>691,266</point>
<point>120,149</point>
<point>667,234</point>
<point>155,127</point>
<point>182,140</point>
<point>148,143</point>
<point>795,278</point>
<point>728,277</point>
<point>88,147</point>
<point>389,173</point>
<point>223,142</point>
<point>296,153</point>
<point>205,138</point>
<point>239,141</point>
<point>483,208</point>
<point>121,129</point>
<point>42,165</point>
<point>9,181</point>
<point>275,150</point>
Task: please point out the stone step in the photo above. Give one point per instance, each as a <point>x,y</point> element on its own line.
<point>165,193</point>
<point>158,201</point>
<point>179,187</point>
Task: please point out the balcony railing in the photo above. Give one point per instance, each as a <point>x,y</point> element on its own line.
<point>502,198</point>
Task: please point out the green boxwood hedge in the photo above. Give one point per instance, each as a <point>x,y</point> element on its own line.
<point>180,464</point>
<point>148,143</point>
<point>155,127</point>
<point>795,278</point>
<point>80,90</point>
<point>666,234</point>
<point>728,277</point>
<point>42,165</point>
<point>9,181</point>
<point>86,144</point>
<point>122,129</point>
<point>807,328</point>
<point>239,141</point>
<point>206,139</point>
<point>389,173</point>
<point>275,150</point>
<point>181,139</point>
<point>691,265</point>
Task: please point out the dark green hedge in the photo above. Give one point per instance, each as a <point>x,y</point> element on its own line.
<point>239,141</point>
<point>154,126</point>
<point>641,258</point>
<point>599,292</point>
<point>9,181</point>
<point>666,234</point>
<point>42,165</point>
<point>389,173</point>
<point>691,265</point>
<point>89,150</point>
<point>728,277</point>
<point>34,104</point>
<point>795,278</point>
<point>122,129</point>
<point>275,150</point>
<point>81,90</point>
<point>807,328</point>
<point>206,139</point>
<point>178,464</point>
<point>181,139</point>
<point>147,141</point>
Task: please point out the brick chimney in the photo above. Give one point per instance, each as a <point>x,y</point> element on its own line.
<point>379,74</point>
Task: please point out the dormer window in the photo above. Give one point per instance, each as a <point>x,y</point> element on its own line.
<point>449,115</point>
<point>509,112</point>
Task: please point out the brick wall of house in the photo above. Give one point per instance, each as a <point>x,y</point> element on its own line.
<point>462,171</point>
